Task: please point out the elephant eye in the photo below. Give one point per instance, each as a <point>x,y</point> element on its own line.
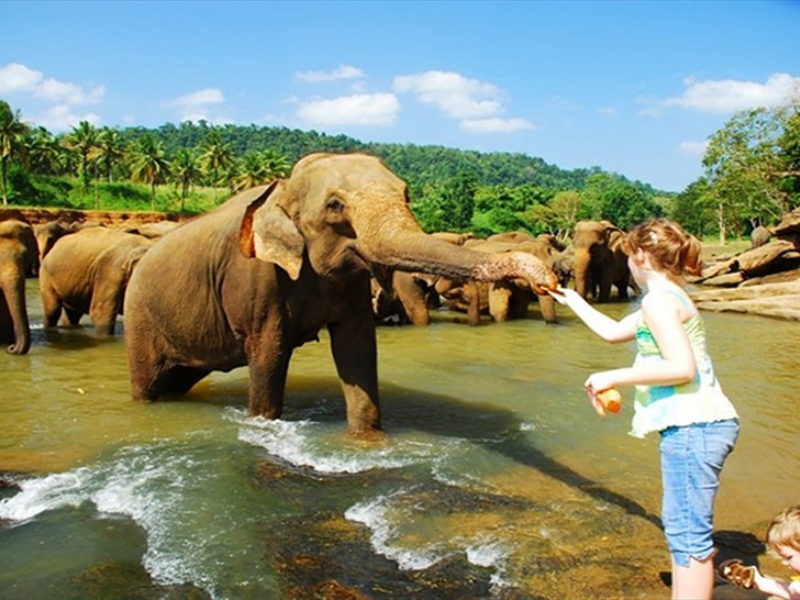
<point>335,205</point>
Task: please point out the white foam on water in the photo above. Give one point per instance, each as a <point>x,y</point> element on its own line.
<point>151,486</point>
<point>308,444</point>
<point>380,512</point>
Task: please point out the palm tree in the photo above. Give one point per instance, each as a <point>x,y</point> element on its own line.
<point>82,140</point>
<point>216,157</point>
<point>276,165</point>
<point>11,131</point>
<point>107,150</point>
<point>250,172</point>
<point>150,164</point>
<point>42,152</point>
<point>185,171</point>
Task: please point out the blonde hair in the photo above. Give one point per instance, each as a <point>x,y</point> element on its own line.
<point>669,246</point>
<point>785,529</point>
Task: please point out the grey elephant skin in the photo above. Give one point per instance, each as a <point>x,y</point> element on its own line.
<point>87,273</point>
<point>259,276</point>
<point>18,256</point>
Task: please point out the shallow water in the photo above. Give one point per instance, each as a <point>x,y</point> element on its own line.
<point>496,479</point>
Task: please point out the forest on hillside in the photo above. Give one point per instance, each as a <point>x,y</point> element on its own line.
<point>191,167</point>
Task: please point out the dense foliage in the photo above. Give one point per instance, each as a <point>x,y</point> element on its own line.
<point>192,167</point>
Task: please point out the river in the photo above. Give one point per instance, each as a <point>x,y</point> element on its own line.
<point>496,479</point>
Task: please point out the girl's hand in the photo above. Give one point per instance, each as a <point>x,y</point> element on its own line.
<point>597,382</point>
<point>563,295</point>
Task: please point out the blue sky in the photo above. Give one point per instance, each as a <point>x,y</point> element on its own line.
<point>633,87</point>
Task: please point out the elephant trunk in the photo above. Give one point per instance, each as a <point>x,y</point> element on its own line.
<point>410,249</point>
<point>13,288</point>
<point>582,271</point>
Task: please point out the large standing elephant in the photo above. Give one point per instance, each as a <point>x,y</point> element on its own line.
<point>87,273</point>
<point>252,280</point>
<point>18,256</point>
<point>599,261</point>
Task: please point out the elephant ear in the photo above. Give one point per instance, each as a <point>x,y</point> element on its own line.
<point>269,234</point>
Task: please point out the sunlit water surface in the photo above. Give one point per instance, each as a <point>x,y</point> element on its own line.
<point>496,480</point>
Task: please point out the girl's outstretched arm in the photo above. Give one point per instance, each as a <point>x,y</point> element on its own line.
<point>603,325</point>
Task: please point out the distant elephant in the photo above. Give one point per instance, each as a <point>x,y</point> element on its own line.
<point>47,234</point>
<point>18,256</point>
<point>87,273</point>
<point>599,261</point>
<point>402,297</point>
<point>257,277</point>
<point>760,236</point>
<point>503,300</point>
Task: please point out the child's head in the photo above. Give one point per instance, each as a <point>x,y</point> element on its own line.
<point>785,529</point>
<point>669,247</point>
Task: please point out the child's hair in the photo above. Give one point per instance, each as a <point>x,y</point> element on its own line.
<point>667,244</point>
<point>785,529</point>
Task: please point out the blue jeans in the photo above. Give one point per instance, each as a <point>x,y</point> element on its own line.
<point>691,461</point>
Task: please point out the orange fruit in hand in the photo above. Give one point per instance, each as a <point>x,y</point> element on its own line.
<point>611,400</point>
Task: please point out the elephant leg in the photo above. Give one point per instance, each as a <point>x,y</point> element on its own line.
<point>355,353</point>
<point>51,304</point>
<point>472,292</point>
<point>268,355</point>
<point>500,298</point>
<point>106,304</point>
<point>547,306</point>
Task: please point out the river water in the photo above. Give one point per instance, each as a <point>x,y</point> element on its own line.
<point>496,479</point>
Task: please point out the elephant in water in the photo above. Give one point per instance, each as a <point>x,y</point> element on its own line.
<point>18,256</point>
<point>599,261</point>
<point>87,273</point>
<point>252,280</point>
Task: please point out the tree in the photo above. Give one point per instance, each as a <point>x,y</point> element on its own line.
<point>744,166</point>
<point>185,172</point>
<point>81,140</point>
<point>107,150</point>
<point>42,152</point>
<point>250,172</point>
<point>215,158</point>
<point>11,131</point>
<point>149,165</point>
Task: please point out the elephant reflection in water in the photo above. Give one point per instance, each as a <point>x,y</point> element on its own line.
<point>18,256</point>
<point>252,280</point>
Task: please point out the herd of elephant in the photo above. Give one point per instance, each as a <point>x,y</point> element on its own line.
<point>333,245</point>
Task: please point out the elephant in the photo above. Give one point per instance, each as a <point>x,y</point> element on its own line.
<point>18,256</point>
<point>402,297</point>
<point>599,261</point>
<point>87,273</point>
<point>505,299</point>
<point>759,236</point>
<point>47,234</point>
<point>248,282</point>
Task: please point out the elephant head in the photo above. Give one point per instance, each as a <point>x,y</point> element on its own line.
<point>17,257</point>
<point>598,259</point>
<point>347,212</point>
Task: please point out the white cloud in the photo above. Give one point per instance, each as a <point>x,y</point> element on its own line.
<point>193,106</point>
<point>607,111</point>
<point>61,117</point>
<point>457,96</point>
<point>358,109</point>
<point>695,148</point>
<point>494,125</point>
<point>199,98</point>
<point>17,78</point>
<point>342,72</point>
<point>729,95</point>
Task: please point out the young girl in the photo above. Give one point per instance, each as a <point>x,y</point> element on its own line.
<point>677,394</point>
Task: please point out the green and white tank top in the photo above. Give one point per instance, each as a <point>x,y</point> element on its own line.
<point>701,400</point>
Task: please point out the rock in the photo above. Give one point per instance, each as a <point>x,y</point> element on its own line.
<point>779,300</point>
